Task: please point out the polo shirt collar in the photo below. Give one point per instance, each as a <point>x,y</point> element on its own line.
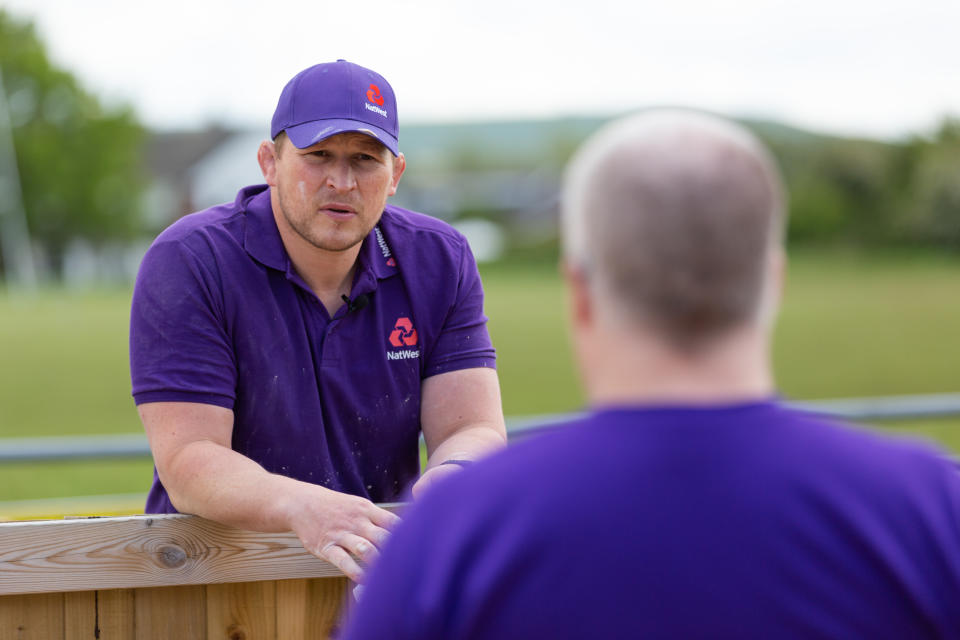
<point>262,239</point>
<point>376,256</point>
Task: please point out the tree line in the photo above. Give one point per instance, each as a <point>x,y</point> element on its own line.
<point>875,194</point>
<point>79,162</point>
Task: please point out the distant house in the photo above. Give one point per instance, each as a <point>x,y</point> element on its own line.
<point>172,158</point>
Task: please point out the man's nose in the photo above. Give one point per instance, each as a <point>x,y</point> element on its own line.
<point>340,176</point>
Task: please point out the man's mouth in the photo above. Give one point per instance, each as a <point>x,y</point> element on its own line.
<point>338,211</point>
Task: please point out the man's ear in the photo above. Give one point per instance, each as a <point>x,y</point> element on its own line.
<point>773,285</point>
<point>399,166</point>
<point>267,158</point>
<point>779,269</point>
<point>580,304</point>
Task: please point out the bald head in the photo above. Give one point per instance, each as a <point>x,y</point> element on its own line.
<point>672,216</point>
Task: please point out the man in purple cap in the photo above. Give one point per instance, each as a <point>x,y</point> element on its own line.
<point>690,502</point>
<point>287,349</point>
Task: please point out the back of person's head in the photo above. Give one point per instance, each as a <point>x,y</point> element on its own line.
<point>672,218</point>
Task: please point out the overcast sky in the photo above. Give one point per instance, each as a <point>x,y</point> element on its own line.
<point>881,68</point>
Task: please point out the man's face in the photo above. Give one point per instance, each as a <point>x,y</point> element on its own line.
<point>332,193</point>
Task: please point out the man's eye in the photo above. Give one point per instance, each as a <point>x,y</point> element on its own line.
<point>365,156</point>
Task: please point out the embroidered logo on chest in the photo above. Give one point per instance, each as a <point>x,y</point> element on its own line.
<point>403,335</point>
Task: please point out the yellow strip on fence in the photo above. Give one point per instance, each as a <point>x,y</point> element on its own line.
<point>118,504</point>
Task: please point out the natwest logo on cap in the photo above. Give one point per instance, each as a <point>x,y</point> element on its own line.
<point>336,97</point>
<point>403,333</point>
<point>374,100</point>
<point>374,95</point>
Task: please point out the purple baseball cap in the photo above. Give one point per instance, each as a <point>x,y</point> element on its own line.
<point>336,97</point>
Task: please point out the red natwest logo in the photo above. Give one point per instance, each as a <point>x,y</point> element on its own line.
<point>403,333</point>
<point>373,95</point>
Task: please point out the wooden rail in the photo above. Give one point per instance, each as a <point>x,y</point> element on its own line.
<point>172,576</point>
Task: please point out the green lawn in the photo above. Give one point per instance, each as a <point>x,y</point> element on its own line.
<point>855,326</point>
<point>63,364</point>
<point>851,325</point>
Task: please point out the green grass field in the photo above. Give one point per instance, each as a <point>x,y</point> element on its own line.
<point>852,325</point>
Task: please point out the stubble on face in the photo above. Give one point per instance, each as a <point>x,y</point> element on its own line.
<point>305,192</point>
<point>301,213</point>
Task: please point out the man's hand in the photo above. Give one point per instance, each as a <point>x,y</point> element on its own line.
<point>430,476</point>
<point>346,531</point>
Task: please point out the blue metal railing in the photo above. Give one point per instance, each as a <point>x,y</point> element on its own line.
<point>135,445</point>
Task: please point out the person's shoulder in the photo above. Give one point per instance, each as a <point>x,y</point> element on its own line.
<point>827,447</point>
<point>854,437</point>
<point>539,457</point>
<point>227,216</point>
<point>206,233</point>
<point>524,489</point>
<point>192,224</point>
<point>801,443</point>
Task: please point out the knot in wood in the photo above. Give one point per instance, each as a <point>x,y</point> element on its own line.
<point>171,556</point>
<point>236,632</point>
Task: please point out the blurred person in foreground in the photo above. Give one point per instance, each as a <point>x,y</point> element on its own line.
<point>689,501</point>
<point>288,349</point>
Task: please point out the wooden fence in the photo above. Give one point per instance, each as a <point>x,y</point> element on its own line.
<point>172,577</point>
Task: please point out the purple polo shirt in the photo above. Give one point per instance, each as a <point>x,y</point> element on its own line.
<point>219,316</point>
<point>746,521</point>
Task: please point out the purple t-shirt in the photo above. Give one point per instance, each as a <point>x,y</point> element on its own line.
<point>743,521</point>
<point>219,316</point>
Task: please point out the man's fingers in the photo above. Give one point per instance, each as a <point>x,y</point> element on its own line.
<point>376,535</point>
<point>335,555</point>
<point>346,531</point>
<point>359,547</point>
<point>383,518</point>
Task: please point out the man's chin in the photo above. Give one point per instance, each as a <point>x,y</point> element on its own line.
<point>334,237</point>
<point>336,243</point>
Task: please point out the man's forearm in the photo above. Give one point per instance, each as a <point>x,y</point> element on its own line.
<point>468,443</point>
<point>465,444</point>
<point>203,476</point>
<point>209,480</point>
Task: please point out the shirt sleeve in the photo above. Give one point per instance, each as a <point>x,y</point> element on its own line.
<point>180,349</point>
<point>464,342</point>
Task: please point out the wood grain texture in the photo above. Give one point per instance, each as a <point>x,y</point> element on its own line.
<point>31,617</point>
<point>99,615</point>
<point>242,611</point>
<point>302,609</point>
<point>145,551</point>
<point>81,616</point>
<point>329,601</point>
<point>310,608</point>
<point>165,613</point>
<point>159,577</point>
<point>292,608</point>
